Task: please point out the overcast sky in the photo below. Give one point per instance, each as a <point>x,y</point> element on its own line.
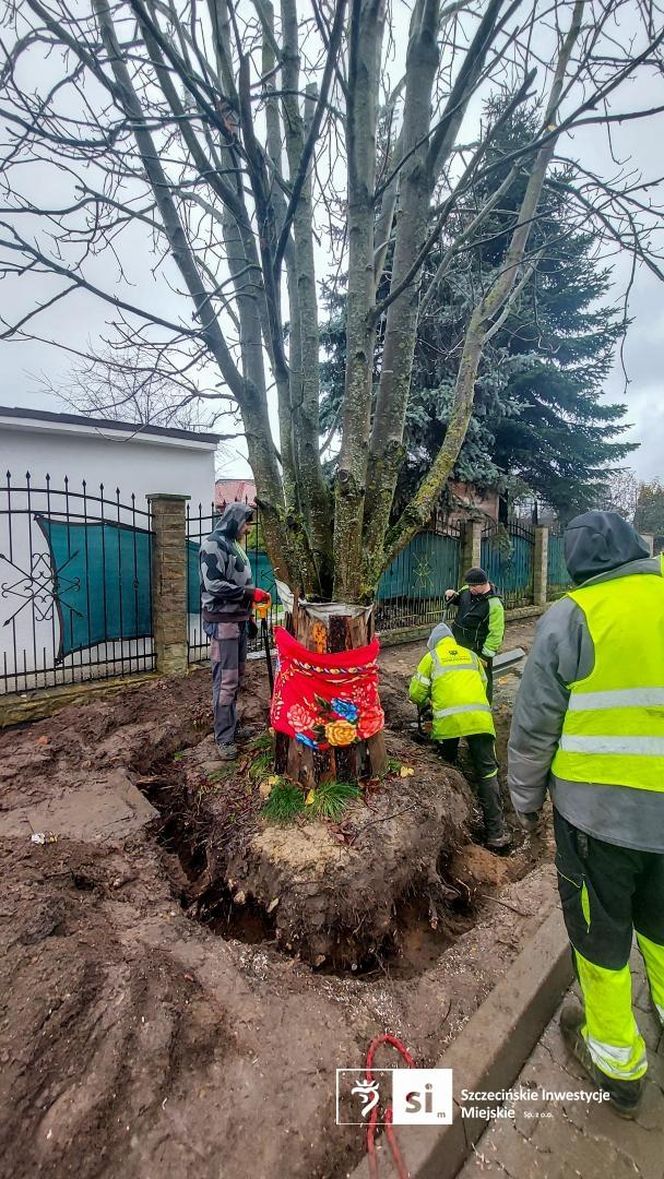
<point>81,319</point>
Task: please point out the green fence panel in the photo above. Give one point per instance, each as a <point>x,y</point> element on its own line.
<point>508,558</point>
<point>101,582</point>
<point>411,590</point>
<point>558,578</point>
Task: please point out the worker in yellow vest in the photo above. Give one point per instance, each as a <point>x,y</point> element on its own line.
<point>453,681</point>
<point>589,724</point>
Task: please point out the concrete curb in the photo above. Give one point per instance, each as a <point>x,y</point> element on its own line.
<point>490,1052</point>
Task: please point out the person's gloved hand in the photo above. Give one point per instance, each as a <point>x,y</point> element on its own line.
<point>449,594</point>
<point>259,595</point>
<point>529,821</point>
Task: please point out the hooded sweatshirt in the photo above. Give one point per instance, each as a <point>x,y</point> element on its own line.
<point>599,546</point>
<point>225,572</point>
<point>439,632</point>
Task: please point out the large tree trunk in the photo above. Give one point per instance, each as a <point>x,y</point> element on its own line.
<point>364,759</point>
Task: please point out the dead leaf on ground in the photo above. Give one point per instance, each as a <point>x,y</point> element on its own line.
<point>406,772</point>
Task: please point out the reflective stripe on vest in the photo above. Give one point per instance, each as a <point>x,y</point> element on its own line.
<point>618,698</point>
<point>613,732</point>
<point>439,712</point>
<point>441,669</point>
<point>638,745</point>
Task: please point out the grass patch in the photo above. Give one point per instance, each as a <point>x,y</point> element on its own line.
<point>221,774</point>
<point>261,765</point>
<point>330,799</point>
<point>285,803</point>
<point>261,744</point>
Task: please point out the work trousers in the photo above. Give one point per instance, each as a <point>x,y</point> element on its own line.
<point>608,893</point>
<point>228,652</point>
<point>482,748</point>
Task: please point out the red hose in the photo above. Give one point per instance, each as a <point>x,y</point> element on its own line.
<point>401,1168</point>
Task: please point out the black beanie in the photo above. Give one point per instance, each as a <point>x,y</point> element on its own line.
<point>476,576</point>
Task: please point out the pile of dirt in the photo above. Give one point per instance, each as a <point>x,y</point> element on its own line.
<point>333,891</point>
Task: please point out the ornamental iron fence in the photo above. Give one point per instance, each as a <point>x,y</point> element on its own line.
<point>508,556</point>
<point>75,584</point>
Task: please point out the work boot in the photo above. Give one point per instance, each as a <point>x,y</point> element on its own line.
<point>227,752</point>
<point>625,1096</point>
<point>497,836</point>
<point>499,843</point>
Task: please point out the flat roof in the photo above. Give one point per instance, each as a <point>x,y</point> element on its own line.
<point>82,422</point>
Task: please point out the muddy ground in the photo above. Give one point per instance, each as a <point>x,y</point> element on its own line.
<point>149,1028</point>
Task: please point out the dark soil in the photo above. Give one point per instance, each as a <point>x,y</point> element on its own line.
<point>155,1018</point>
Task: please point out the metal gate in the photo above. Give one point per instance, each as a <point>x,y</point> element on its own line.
<point>75,585</point>
<point>508,558</point>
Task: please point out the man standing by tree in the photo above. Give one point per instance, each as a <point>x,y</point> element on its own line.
<point>589,723</point>
<point>227,595</point>
<point>480,619</point>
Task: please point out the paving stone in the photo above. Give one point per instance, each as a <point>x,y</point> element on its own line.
<point>506,1148</point>
<point>482,1162</point>
<point>577,1153</point>
<point>541,1073</point>
<point>656,1068</point>
<point>643,1146</point>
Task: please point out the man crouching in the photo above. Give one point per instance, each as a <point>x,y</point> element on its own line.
<point>453,680</point>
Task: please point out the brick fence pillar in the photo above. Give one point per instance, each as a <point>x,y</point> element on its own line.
<point>541,564</point>
<point>471,547</point>
<point>169,582</point>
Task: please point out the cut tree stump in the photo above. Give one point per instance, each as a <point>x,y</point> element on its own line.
<point>364,759</point>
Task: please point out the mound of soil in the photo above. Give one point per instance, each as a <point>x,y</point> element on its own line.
<point>333,890</point>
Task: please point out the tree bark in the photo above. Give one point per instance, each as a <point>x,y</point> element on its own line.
<point>421,168</point>
<point>315,500</point>
<point>366,35</point>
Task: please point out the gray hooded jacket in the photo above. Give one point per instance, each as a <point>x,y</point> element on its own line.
<point>225,572</point>
<point>599,546</point>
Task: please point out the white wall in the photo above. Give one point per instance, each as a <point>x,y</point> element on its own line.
<point>28,643</point>
<point>135,465</point>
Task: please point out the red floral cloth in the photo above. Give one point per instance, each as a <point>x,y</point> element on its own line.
<point>325,700</point>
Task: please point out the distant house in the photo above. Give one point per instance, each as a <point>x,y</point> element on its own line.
<point>227,491</point>
<point>465,499</point>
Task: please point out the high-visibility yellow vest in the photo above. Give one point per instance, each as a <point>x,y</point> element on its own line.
<point>453,679</point>
<point>614,727</point>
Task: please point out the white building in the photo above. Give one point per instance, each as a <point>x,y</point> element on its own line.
<point>74,560</point>
<point>131,457</point>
